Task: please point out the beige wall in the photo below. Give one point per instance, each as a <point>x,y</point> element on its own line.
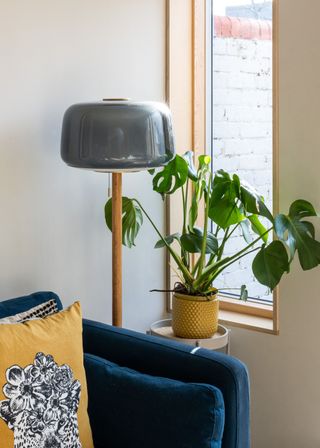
<point>54,53</point>
<point>285,369</point>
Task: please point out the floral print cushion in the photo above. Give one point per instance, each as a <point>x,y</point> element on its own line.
<point>42,401</point>
<point>42,397</point>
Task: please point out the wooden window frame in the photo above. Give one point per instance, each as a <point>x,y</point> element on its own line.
<point>186,22</point>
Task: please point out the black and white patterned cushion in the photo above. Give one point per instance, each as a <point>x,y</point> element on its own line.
<point>41,404</point>
<point>37,312</point>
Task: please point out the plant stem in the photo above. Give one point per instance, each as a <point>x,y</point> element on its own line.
<point>205,228</point>
<point>208,270</point>
<point>194,270</point>
<point>242,251</point>
<point>186,203</point>
<point>223,242</point>
<point>184,254</point>
<point>184,206</point>
<point>226,261</point>
<point>227,235</point>
<point>188,277</point>
<point>217,231</point>
<point>235,227</point>
<point>211,259</point>
<point>217,273</point>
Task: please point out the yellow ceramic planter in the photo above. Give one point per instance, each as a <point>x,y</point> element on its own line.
<point>194,318</point>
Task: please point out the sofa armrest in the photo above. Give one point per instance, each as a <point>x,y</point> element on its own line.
<point>161,357</point>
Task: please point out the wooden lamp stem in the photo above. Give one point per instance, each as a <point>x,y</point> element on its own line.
<point>117,249</point>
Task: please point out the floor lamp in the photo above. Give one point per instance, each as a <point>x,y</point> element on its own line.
<point>116,136</point>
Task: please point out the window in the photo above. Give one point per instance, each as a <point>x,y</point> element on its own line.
<point>222,59</point>
<point>241,48</point>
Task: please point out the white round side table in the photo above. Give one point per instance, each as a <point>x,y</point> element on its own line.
<point>220,340</point>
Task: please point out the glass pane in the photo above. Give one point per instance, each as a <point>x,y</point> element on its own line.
<point>242,112</point>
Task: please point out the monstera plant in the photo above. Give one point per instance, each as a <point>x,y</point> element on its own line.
<point>227,204</point>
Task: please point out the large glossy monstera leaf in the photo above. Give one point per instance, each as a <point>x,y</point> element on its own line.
<point>132,220</point>
<point>295,235</point>
<point>224,206</point>
<point>172,177</point>
<point>192,242</point>
<point>232,200</point>
<point>270,263</point>
<point>298,234</point>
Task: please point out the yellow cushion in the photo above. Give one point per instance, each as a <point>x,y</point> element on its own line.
<point>41,379</point>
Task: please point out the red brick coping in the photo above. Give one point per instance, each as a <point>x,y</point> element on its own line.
<point>240,28</point>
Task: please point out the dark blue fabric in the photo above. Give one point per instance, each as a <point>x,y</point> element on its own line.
<point>161,357</point>
<point>11,307</point>
<point>130,409</point>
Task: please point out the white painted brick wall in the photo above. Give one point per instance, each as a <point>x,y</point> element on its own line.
<point>243,131</point>
<point>243,114</point>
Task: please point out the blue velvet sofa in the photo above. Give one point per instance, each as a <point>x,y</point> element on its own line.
<point>161,358</point>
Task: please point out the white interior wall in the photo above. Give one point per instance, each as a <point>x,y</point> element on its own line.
<point>52,230</point>
<point>54,54</point>
<point>285,369</point>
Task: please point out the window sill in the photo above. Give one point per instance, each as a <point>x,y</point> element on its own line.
<point>249,316</point>
<point>255,323</point>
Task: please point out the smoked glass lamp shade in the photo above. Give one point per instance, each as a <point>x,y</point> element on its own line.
<point>117,136</point>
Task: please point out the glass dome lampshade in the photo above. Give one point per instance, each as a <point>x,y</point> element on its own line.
<point>117,135</point>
